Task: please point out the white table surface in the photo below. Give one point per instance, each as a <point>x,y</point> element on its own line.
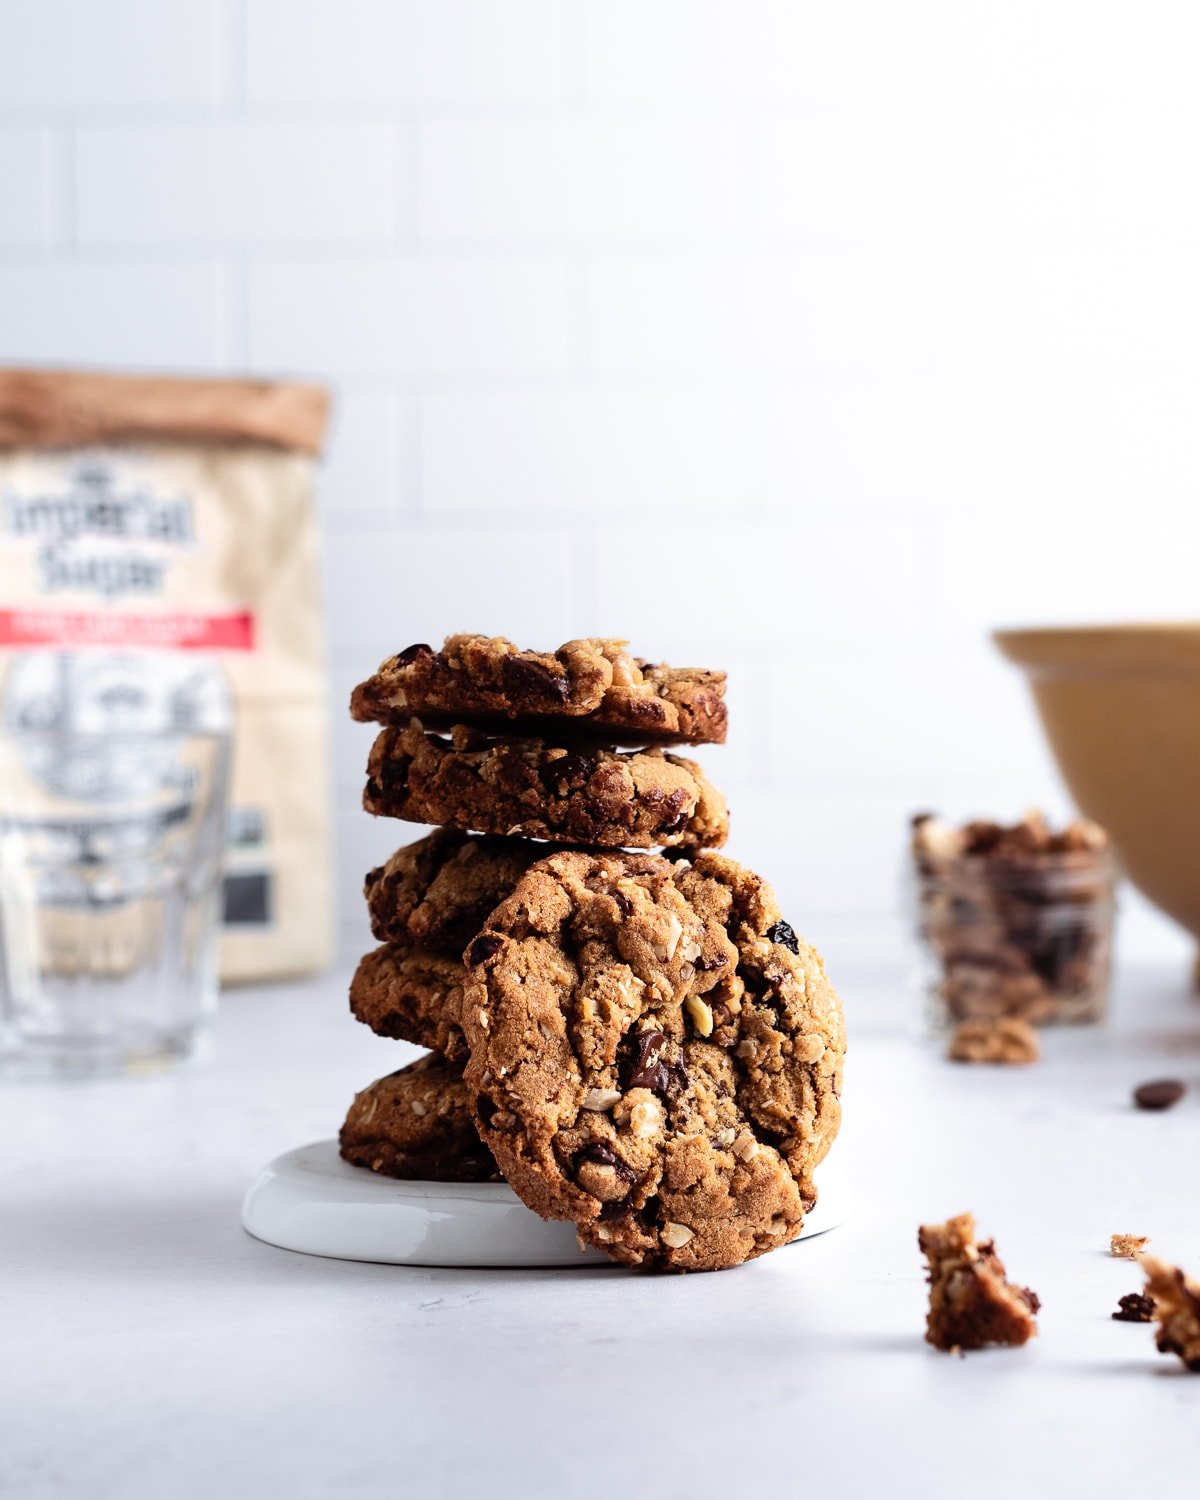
<point>149,1347</point>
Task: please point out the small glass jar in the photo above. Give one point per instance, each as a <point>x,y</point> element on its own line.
<point>1013,922</point>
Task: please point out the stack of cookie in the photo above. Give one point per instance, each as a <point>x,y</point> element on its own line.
<point>637,1042</point>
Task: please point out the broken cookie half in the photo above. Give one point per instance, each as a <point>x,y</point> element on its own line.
<point>971,1302</point>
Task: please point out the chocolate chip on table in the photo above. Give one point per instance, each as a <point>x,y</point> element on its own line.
<point>1134,1308</point>
<point>1160,1093</point>
<point>784,933</point>
<point>485,947</point>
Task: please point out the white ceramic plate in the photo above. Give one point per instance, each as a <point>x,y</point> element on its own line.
<point>311,1200</point>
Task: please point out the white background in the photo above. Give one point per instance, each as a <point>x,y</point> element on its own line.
<point>809,340</point>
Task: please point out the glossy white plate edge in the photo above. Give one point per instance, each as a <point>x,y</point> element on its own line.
<point>311,1201</point>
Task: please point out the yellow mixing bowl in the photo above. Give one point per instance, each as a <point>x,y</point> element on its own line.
<point>1121,707</point>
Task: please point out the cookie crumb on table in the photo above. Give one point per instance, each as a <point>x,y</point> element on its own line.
<point>1176,1299</point>
<point>1128,1246</point>
<point>1134,1308</point>
<point>971,1302</point>
<point>1008,1039</point>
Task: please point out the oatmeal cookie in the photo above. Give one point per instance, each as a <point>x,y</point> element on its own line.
<point>415,1123</point>
<point>655,1055</point>
<point>1176,1299</point>
<point>593,685</point>
<point>437,892</point>
<point>472,780</point>
<point>412,996</point>
<point>971,1301</point>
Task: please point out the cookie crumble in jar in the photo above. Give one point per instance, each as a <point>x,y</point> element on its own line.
<point>1013,921</point>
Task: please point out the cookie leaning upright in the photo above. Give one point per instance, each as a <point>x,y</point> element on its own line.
<point>653,1055</point>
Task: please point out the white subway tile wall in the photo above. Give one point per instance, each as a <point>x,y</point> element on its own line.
<point>26,221</point>
<point>804,339</point>
<point>225,185</point>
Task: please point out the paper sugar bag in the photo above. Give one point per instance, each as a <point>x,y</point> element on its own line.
<point>176,515</point>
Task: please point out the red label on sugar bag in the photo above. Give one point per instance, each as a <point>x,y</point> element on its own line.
<point>175,632</point>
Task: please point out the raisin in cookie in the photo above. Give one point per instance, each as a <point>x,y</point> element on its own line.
<point>438,892</point>
<point>594,684</point>
<point>416,1124</point>
<point>655,1055</point>
<point>510,786</point>
<point>412,996</point>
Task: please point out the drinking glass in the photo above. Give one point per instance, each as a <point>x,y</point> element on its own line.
<point>114,776</point>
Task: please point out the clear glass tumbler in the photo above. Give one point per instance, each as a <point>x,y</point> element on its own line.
<point>114,776</point>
